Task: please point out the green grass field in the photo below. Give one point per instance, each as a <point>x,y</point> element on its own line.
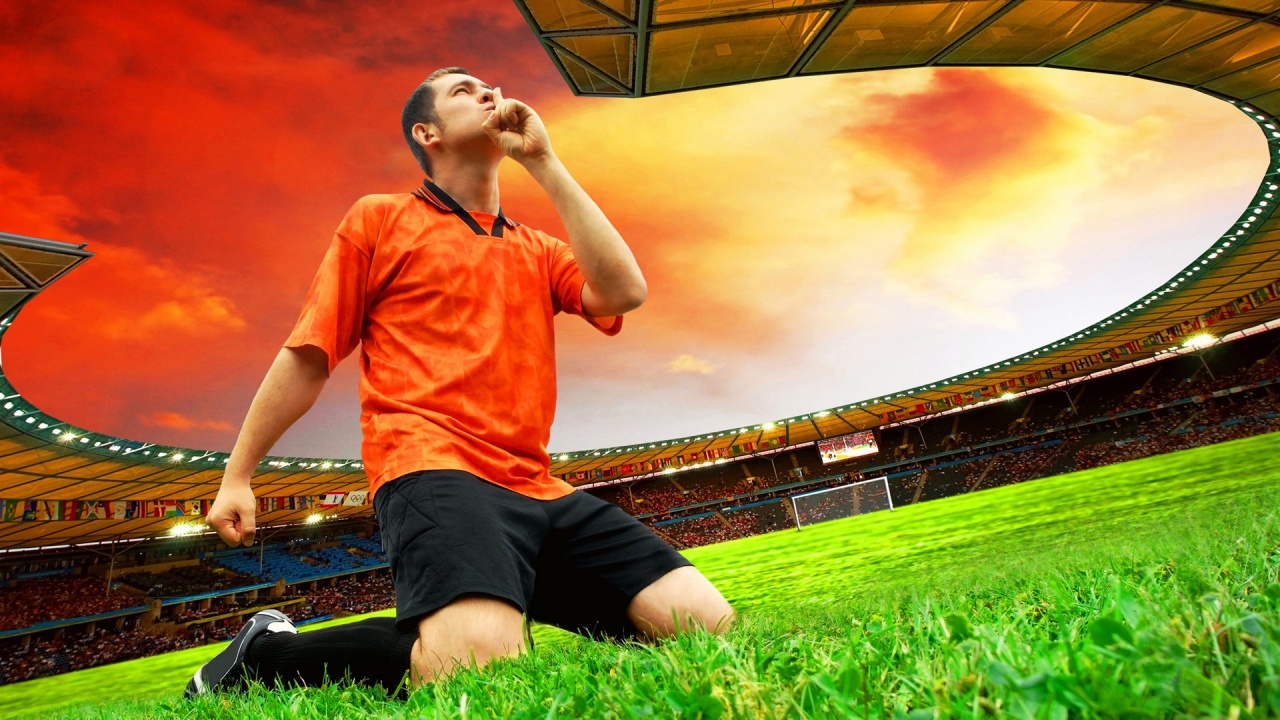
<point>1143,590</point>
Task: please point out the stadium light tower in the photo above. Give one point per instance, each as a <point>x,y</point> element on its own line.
<point>1070,400</point>
<point>262,541</point>
<point>1199,343</point>
<point>114,544</point>
<point>775,469</point>
<point>923,443</point>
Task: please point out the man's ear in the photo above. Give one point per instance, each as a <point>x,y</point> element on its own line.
<point>426,134</point>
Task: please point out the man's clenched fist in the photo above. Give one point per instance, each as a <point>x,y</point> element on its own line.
<point>232,514</point>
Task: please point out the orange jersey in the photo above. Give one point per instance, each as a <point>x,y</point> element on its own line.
<point>453,314</point>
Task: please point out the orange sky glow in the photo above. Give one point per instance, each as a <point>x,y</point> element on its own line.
<point>807,242</point>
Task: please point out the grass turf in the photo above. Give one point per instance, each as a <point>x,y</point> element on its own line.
<point>1146,589</point>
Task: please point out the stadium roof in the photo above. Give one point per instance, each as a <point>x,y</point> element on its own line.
<point>640,47</point>
<point>1229,49</point>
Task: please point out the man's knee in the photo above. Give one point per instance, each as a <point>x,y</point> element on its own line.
<point>468,632</point>
<point>680,600</point>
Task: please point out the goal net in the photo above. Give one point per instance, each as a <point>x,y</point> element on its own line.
<point>841,502</point>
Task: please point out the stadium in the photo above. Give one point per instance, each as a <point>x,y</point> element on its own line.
<point>1088,528</point>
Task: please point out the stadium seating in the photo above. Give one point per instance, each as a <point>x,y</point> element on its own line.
<point>30,602</point>
<point>295,563</point>
<point>356,594</point>
<point>702,530</point>
<point>1108,419</point>
<point>186,581</point>
<point>76,651</point>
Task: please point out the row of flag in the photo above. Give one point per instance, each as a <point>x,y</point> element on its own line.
<point>45,510</point>
<point>1239,306</point>
<point>675,461</point>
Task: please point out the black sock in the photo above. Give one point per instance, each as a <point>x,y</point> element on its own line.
<point>370,652</point>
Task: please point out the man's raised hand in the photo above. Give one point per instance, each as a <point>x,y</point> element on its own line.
<point>232,514</point>
<point>517,129</point>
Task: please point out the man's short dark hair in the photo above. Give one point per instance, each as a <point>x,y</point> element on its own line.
<point>421,108</point>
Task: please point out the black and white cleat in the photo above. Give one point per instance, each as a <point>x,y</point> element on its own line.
<point>226,671</point>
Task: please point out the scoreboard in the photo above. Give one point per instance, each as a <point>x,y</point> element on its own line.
<point>847,446</point>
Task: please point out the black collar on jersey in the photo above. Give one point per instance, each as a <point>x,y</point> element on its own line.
<point>431,192</point>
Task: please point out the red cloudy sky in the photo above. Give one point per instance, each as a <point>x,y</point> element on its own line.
<point>807,242</point>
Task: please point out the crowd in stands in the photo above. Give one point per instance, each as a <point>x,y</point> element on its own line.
<point>356,594</point>
<point>37,567</point>
<point>1020,459</point>
<point>703,530</point>
<point>759,519</point>
<point>1013,467</point>
<point>737,523</point>
<point>702,489</point>
<point>1158,444</point>
<point>304,611</point>
<point>296,561</point>
<point>743,523</point>
<point>30,602</point>
<point>80,650</point>
<point>205,633</point>
<point>217,606</point>
<point>661,499</point>
<point>187,581</point>
<point>1169,430</point>
<point>1201,383</point>
<point>827,506</point>
<point>658,495</point>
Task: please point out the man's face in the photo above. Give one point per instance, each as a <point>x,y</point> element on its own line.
<point>462,103</point>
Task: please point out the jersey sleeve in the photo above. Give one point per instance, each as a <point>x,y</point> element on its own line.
<point>332,316</point>
<point>567,283</point>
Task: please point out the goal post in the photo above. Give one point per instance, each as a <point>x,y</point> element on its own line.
<point>844,501</point>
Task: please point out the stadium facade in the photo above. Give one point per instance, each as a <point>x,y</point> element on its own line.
<point>64,484</point>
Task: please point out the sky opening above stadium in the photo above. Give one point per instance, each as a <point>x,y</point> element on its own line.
<point>807,242</point>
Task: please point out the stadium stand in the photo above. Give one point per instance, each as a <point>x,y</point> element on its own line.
<point>298,561</point>
<point>199,591</point>
<point>701,530</point>
<point>356,594</point>
<point>186,581</point>
<point>85,649</point>
<point>1003,443</point>
<point>31,602</point>
<point>758,518</point>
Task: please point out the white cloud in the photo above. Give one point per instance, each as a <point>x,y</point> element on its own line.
<point>690,364</point>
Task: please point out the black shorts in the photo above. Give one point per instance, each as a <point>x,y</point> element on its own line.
<point>575,562</point>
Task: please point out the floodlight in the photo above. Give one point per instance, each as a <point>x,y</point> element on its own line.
<point>313,519</point>
<point>1199,341</point>
<point>186,528</point>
